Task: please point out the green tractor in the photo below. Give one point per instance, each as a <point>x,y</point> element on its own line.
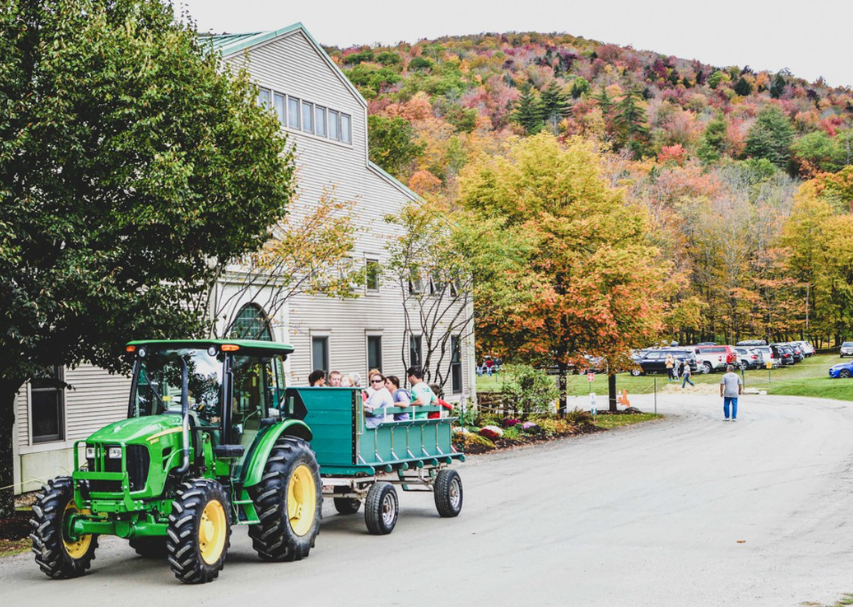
<point>209,442</point>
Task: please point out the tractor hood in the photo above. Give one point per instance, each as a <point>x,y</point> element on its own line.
<point>137,429</point>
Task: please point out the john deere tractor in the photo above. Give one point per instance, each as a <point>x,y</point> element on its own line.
<point>210,441</point>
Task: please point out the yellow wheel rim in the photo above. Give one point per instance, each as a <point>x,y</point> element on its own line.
<point>301,500</point>
<point>75,547</point>
<point>212,531</point>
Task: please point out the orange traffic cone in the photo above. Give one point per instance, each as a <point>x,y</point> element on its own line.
<point>623,399</point>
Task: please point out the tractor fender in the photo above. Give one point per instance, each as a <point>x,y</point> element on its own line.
<point>253,469</point>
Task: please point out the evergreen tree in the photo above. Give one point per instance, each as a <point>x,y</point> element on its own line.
<point>554,105</point>
<point>605,103</point>
<point>770,137</point>
<point>713,144</point>
<point>673,77</point>
<point>528,112</point>
<point>778,86</point>
<point>743,87</point>
<point>630,122</point>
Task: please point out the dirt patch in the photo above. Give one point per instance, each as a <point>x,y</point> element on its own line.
<point>17,527</point>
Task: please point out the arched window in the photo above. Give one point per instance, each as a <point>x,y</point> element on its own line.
<point>251,323</point>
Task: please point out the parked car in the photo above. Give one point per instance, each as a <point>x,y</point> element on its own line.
<point>784,354</point>
<point>752,342</point>
<point>655,361</point>
<point>807,348</point>
<point>707,343</point>
<point>844,369</point>
<point>714,358</point>
<point>797,351</point>
<point>749,358</point>
<point>846,349</point>
<point>768,355</point>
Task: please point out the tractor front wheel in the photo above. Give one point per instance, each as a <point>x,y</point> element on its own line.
<point>59,554</point>
<point>288,501</point>
<point>199,532</point>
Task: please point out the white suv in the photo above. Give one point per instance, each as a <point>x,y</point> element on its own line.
<point>846,349</point>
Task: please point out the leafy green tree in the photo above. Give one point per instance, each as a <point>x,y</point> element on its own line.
<point>819,151</point>
<point>770,137</point>
<point>528,112</point>
<point>743,87</point>
<point>580,87</point>
<point>778,86</point>
<point>355,58</point>
<point>555,105</point>
<point>421,63</point>
<point>133,167</point>
<point>713,144</point>
<point>371,80</point>
<point>389,58</point>
<point>716,78</point>
<point>393,143</point>
<point>631,124</point>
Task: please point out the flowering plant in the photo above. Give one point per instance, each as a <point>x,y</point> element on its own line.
<point>491,432</point>
<point>509,423</point>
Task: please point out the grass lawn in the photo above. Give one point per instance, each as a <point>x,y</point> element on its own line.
<point>617,421</point>
<point>809,378</point>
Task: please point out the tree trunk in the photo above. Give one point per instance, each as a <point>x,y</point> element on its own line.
<point>8,390</point>
<point>564,392</point>
<point>611,386</point>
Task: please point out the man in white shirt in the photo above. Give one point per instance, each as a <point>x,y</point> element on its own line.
<point>730,388</point>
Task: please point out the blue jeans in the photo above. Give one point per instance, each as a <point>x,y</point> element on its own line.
<point>687,381</point>
<point>733,401</point>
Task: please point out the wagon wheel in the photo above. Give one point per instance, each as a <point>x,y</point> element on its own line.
<point>381,508</point>
<point>448,493</point>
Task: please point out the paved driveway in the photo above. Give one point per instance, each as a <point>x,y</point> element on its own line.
<point>686,512</point>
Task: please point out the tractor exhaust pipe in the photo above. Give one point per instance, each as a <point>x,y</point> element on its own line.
<point>185,417</point>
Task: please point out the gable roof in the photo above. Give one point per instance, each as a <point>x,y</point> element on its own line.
<point>231,44</point>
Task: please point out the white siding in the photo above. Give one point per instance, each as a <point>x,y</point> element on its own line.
<point>22,415</point>
<point>97,399</point>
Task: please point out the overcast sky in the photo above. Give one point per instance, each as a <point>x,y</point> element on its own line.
<point>811,38</point>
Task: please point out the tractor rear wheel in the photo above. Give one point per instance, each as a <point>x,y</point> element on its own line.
<point>58,554</point>
<point>150,547</point>
<point>381,508</point>
<point>199,532</point>
<point>448,493</point>
<point>288,501</point>
<point>347,505</point>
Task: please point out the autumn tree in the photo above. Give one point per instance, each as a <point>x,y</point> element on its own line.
<point>134,166</point>
<point>591,283</point>
<point>770,137</point>
<point>393,143</point>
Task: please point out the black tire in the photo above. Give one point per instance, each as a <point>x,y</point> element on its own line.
<point>844,373</point>
<point>280,536</point>
<point>636,372</point>
<point>347,505</point>
<point>448,493</point>
<point>706,368</point>
<point>150,547</point>
<point>199,532</point>
<point>743,366</point>
<point>381,509</point>
<point>58,555</point>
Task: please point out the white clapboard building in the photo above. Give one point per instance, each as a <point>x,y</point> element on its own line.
<point>325,118</point>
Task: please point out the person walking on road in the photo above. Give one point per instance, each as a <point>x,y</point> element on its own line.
<point>670,363</point>
<point>685,373</point>
<point>730,388</point>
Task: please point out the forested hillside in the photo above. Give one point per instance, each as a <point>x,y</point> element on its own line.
<point>746,176</point>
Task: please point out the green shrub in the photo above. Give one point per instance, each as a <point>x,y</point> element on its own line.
<point>513,433</point>
<point>578,417</point>
<point>531,390</point>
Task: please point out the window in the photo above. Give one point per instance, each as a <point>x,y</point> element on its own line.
<point>264,97</point>
<point>415,350</point>
<point>308,117</point>
<point>334,132</point>
<point>416,285</point>
<point>346,131</point>
<point>374,352</point>
<point>293,112</point>
<point>278,106</point>
<point>320,115</point>
<point>251,323</point>
<point>455,364</point>
<point>320,353</point>
<point>371,274</point>
<point>47,404</point>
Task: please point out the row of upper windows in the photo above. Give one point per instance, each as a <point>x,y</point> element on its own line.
<point>301,115</point>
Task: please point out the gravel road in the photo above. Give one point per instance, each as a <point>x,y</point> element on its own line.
<point>688,511</point>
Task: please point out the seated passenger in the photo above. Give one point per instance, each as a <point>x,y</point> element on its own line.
<point>335,379</point>
<point>402,398</point>
<point>317,378</point>
<point>380,399</point>
<point>421,393</point>
<point>346,382</point>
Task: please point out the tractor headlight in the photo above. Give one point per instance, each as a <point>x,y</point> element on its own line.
<point>90,453</point>
<point>114,453</point>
